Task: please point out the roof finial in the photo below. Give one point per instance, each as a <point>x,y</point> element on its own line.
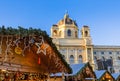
<point>66,14</point>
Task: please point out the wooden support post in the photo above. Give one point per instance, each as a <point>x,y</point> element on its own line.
<point>48,77</point>
<point>63,76</point>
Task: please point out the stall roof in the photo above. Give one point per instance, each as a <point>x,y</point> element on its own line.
<point>29,49</point>
<point>99,73</point>
<point>77,68</point>
<point>116,75</point>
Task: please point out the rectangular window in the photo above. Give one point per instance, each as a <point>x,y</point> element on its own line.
<point>102,52</point>
<point>94,52</point>
<point>118,52</point>
<point>110,52</point>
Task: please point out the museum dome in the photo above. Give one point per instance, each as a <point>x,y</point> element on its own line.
<point>67,21</point>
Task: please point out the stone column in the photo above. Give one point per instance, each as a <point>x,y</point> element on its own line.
<point>76,59</point>
<point>92,59</point>
<point>86,55</point>
<point>67,55</point>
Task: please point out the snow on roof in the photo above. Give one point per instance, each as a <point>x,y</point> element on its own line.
<point>115,75</point>
<point>75,68</point>
<point>99,73</point>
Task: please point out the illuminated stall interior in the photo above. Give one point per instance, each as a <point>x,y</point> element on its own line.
<point>28,54</point>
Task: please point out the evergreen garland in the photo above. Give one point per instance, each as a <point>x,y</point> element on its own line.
<point>33,31</point>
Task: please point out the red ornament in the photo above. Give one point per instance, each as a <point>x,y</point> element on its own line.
<point>39,60</point>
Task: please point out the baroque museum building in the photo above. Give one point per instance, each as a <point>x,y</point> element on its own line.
<point>77,49</point>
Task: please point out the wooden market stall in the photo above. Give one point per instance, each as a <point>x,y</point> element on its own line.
<point>81,72</point>
<point>104,75</point>
<point>116,76</point>
<point>29,56</point>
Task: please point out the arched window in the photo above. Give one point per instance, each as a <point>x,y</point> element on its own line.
<point>71,59</point>
<point>80,59</point>
<point>60,33</point>
<point>86,33</point>
<point>69,32</point>
<point>55,32</point>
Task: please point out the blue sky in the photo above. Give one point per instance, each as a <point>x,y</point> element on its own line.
<point>102,16</point>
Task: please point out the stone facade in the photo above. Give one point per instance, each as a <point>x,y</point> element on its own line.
<point>77,49</point>
<point>108,52</point>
